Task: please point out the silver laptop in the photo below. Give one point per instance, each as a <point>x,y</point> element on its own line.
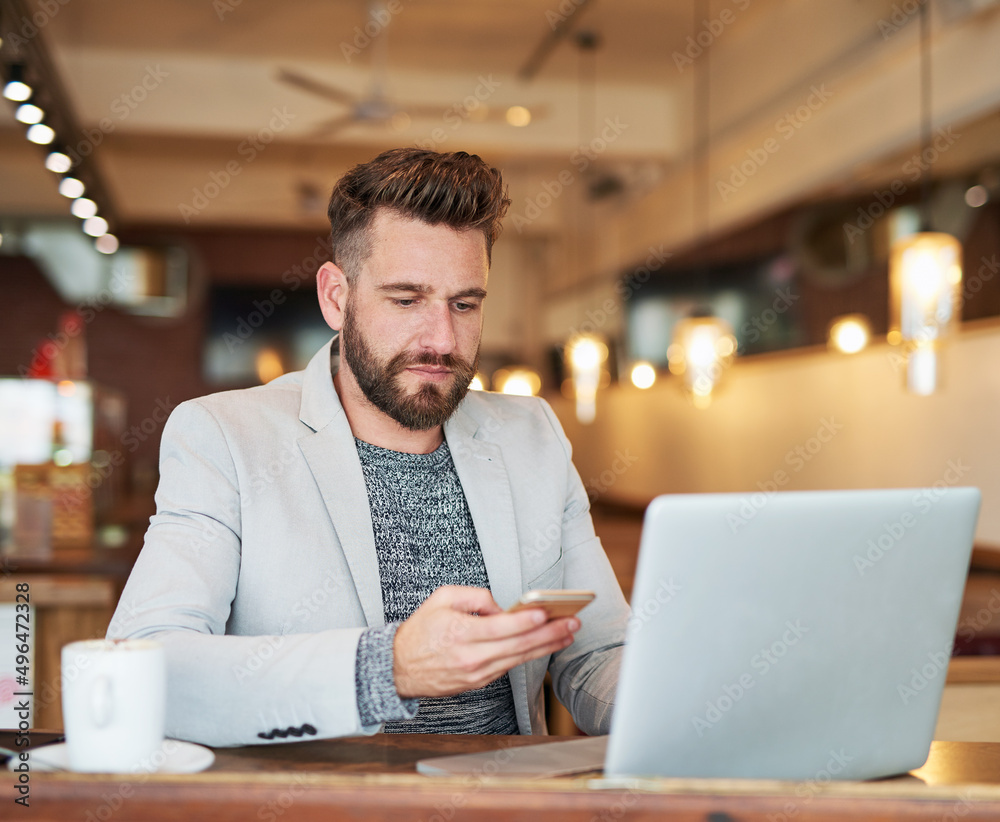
<point>796,635</point>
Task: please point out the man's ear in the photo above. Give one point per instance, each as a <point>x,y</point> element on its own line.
<point>332,289</point>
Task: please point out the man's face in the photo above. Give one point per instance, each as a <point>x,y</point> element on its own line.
<point>413,319</point>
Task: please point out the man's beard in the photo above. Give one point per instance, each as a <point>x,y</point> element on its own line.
<point>430,406</point>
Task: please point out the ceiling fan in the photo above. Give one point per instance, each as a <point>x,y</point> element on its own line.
<point>376,107</point>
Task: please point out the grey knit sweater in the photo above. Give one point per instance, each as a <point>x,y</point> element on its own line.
<point>424,538</point>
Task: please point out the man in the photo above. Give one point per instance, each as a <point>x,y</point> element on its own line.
<point>332,553</point>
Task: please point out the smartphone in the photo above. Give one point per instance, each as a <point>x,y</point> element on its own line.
<point>556,604</point>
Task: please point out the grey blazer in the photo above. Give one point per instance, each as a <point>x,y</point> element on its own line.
<point>259,570</point>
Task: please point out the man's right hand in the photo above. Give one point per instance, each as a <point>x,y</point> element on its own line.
<point>459,639</point>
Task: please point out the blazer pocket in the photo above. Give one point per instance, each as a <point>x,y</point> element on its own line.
<point>550,579</point>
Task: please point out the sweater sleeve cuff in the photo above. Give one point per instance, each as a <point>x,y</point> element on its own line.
<point>378,701</point>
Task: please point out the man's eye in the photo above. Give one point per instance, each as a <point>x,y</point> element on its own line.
<point>405,303</point>
<point>464,306</point>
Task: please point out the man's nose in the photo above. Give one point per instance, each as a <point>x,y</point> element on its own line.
<point>438,333</point>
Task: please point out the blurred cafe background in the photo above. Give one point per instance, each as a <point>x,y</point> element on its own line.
<point>753,245</point>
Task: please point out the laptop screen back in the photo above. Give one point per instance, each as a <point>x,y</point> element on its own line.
<point>791,636</point>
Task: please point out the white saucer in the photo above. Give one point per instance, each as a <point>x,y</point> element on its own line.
<point>175,756</point>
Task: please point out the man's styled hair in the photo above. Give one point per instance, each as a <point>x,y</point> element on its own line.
<point>457,190</point>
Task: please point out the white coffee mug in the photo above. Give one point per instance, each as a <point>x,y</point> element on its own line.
<point>114,704</point>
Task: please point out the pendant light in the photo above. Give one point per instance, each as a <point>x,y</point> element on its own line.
<point>586,353</point>
<point>925,269</point>
<point>703,345</point>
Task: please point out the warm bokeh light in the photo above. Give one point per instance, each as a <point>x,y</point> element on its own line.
<point>95,226</point>
<point>41,134</point>
<point>58,162</point>
<point>477,383</point>
<point>643,375</point>
<point>106,244</point>
<point>83,208</point>
<point>71,187</point>
<point>518,116</point>
<point>17,91</point>
<point>29,114</point>
<point>519,385</point>
<point>66,388</point>
<point>517,380</point>
<point>268,365</point>
<point>849,334</point>
<point>977,196</point>
<point>585,351</point>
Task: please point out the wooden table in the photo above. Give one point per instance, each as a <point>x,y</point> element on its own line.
<point>375,778</point>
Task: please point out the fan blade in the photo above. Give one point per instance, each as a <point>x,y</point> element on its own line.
<point>316,87</point>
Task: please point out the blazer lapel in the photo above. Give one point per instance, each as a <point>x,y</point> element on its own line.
<point>486,484</point>
<point>484,479</point>
<point>333,460</point>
